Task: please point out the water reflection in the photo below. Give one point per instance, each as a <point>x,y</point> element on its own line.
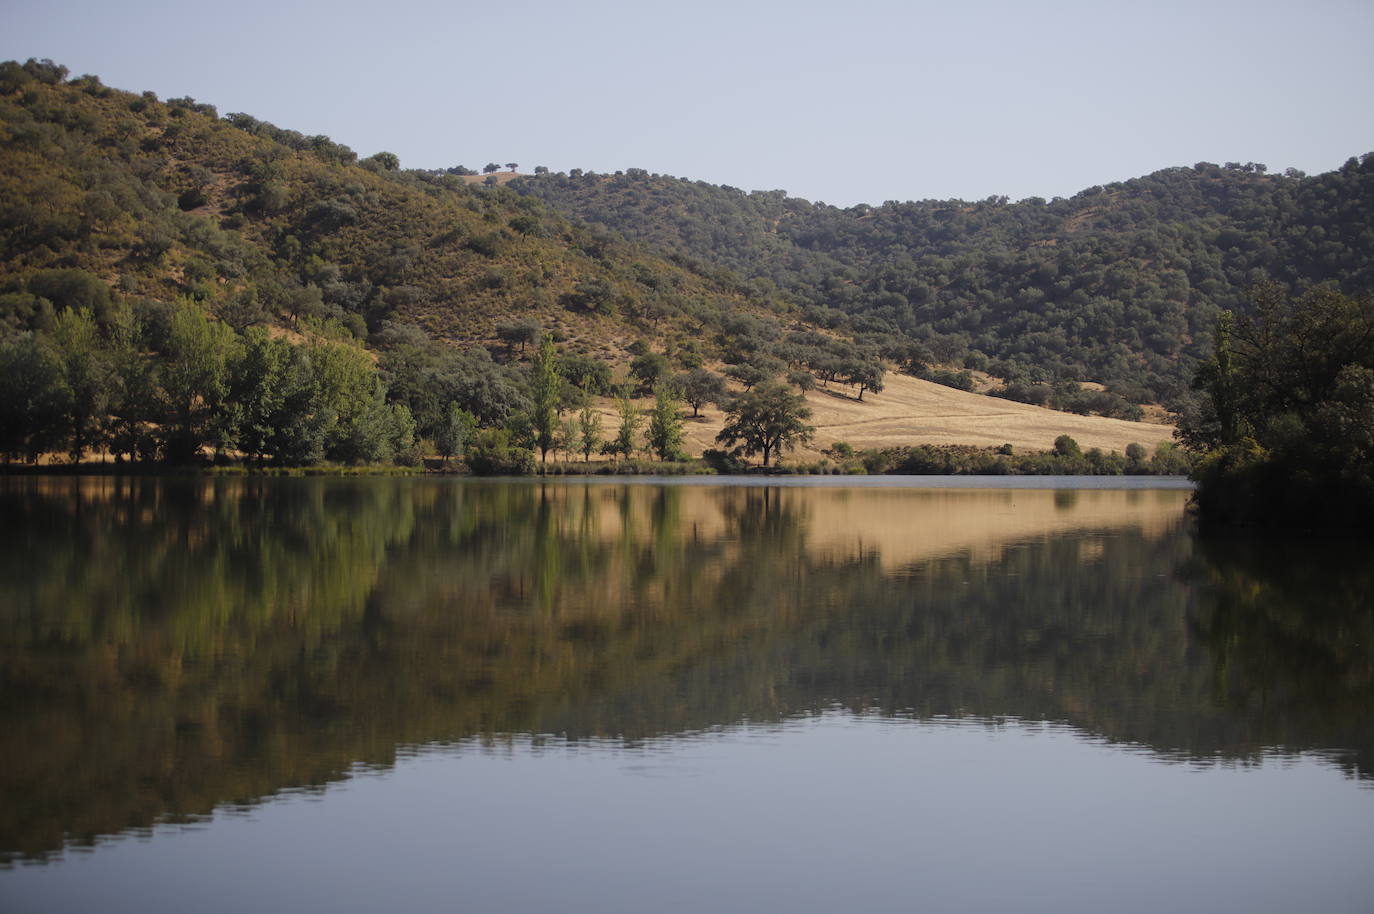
<point>170,647</point>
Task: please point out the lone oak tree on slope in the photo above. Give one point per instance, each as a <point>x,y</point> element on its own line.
<point>766,420</point>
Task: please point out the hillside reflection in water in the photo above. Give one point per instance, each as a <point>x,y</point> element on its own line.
<point>173,647</point>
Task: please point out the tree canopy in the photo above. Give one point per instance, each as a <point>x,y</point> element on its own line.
<point>1286,429</point>
<point>766,420</point>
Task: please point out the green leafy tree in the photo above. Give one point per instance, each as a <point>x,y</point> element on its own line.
<point>1288,436</point>
<point>767,420</point>
<point>756,370</point>
<point>594,295</point>
<point>302,423</point>
<point>627,432</point>
<point>665,425</point>
<point>519,333</point>
<point>802,380</point>
<point>649,368</point>
<point>1137,458</point>
<point>588,374</point>
<point>455,432</point>
<point>1170,460</point>
<point>546,389</point>
<point>257,385</point>
<point>86,365</point>
<point>1220,424</point>
<point>36,403</point>
<point>405,448</point>
<point>352,402</point>
<point>372,433</point>
<point>194,381</point>
<point>866,376</point>
<point>73,289</point>
<point>699,387</point>
<point>133,396</point>
<point>386,161</point>
<point>568,441</point>
<point>589,432</point>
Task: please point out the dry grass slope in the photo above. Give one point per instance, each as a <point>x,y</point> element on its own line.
<point>911,411</point>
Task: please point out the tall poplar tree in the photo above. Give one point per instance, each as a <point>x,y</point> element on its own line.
<point>547,386</point>
<point>665,425</point>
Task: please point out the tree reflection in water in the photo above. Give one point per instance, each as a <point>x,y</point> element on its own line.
<point>169,646</point>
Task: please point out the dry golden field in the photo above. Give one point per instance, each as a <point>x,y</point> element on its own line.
<point>910,411</point>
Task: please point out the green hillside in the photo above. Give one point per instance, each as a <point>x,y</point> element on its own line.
<point>166,198</point>
<point>162,267</point>
<point>1120,284</point>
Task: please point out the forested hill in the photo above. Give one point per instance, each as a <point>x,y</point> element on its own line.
<point>173,281</point>
<point>160,199</point>
<point>1119,284</point>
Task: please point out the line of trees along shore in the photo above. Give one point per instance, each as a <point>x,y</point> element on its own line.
<point>152,382</point>
<point>169,383</point>
<point>148,382</point>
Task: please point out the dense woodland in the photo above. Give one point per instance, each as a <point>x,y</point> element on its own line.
<point>1120,284</point>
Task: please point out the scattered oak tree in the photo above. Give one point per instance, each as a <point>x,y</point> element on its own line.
<point>519,333</point>
<point>699,387</point>
<point>767,420</point>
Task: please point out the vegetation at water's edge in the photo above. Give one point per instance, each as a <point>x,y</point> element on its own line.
<point>1286,432</point>
<point>1065,459</point>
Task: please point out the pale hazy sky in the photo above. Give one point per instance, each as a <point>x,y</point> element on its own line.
<point>846,102</point>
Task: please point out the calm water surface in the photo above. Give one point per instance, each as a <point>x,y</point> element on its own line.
<point>328,694</point>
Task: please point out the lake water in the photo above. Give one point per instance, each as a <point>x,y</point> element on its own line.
<point>701,695</point>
